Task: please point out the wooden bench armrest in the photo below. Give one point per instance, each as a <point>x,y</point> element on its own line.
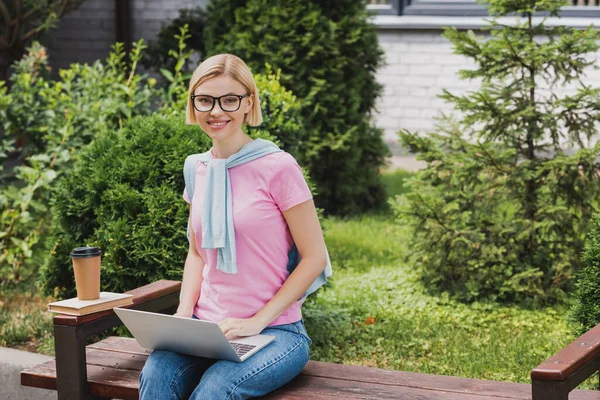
<point>71,332</point>
<point>570,366</point>
<point>156,296</point>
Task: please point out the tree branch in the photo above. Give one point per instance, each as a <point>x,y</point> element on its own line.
<point>437,218</point>
<point>17,23</point>
<point>491,159</point>
<point>63,7</point>
<point>6,18</point>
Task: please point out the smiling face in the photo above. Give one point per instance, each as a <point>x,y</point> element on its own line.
<point>218,124</point>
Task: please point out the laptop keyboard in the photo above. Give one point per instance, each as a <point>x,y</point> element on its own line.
<point>241,348</point>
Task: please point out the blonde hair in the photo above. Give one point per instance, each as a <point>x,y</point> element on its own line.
<point>225,65</point>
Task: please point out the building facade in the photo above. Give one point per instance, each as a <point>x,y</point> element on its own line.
<point>419,60</point>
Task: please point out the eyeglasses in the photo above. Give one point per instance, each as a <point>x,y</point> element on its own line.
<point>228,102</point>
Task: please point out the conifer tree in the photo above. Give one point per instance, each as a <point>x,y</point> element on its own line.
<point>511,182</point>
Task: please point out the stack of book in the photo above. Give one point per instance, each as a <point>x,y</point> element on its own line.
<point>74,306</point>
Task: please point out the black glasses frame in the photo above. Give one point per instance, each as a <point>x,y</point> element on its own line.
<point>218,99</point>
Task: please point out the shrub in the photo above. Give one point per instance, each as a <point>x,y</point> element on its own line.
<point>282,118</point>
<point>45,123</point>
<point>328,54</point>
<point>124,195</point>
<point>585,312</point>
<point>84,100</point>
<point>501,210</point>
<point>158,55</point>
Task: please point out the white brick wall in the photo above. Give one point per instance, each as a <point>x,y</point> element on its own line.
<point>419,64</point>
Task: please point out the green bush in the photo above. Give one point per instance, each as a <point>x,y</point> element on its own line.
<point>585,312</point>
<point>501,210</point>
<point>84,100</point>
<point>124,195</point>
<point>158,55</point>
<point>282,118</point>
<point>328,54</point>
<point>44,124</point>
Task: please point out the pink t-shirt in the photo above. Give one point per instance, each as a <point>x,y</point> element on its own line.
<point>261,189</point>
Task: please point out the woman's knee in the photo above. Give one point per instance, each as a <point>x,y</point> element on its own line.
<point>233,381</point>
<point>169,375</point>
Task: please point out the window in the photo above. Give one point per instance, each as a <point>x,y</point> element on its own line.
<point>388,7</point>
<point>468,8</point>
<point>585,3</point>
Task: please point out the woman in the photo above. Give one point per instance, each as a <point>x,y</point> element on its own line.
<point>251,206</point>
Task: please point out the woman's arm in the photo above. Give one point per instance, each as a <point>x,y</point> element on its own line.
<point>192,278</point>
<point>308,237</point>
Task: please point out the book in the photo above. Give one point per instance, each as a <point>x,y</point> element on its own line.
<point>74,306</point>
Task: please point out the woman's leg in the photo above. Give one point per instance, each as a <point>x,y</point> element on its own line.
<point>169,375</point>
<point>272,367</point>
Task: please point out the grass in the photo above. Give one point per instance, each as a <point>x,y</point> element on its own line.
<point>382,316</point>
<point>24,322</point>
<point>375,312</point>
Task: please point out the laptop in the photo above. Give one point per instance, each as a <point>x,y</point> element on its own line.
<point>188,336</point>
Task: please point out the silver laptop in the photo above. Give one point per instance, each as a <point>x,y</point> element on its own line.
<point>188,336</point>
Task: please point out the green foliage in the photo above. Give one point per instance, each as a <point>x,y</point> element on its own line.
<point>159,53</point>
<point>85,98</point>
<point>53,120</point>
<point>396,182</point>
<point>383,316</point>
<point>24,21</point>
<point>282,114</point>
<point>328,54</point>
<point>502,208</point>
<point>20,327</point>
<point>175,95</point>
<point>44,124</point>
<point>220,18</point>
<point>24,319</point>
<point>585,313</point>
<point>504,7</point>
<point>124,195</point>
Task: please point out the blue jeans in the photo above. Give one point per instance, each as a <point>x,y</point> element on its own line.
<point>169,375</point>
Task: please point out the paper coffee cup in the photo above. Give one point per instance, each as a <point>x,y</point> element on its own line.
<point>86,266</point>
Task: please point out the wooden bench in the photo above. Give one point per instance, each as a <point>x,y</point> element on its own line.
<point>110,368</point>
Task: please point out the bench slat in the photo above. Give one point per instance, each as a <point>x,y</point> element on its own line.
<point>508,390</point>
<point>114,365</point>
<point>41,376</point>
<point>110,382</point>
<point>120,344</point>
<point>318,387</point>
<point>111,359</point>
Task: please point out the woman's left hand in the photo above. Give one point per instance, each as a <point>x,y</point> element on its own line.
<point>236,327</point>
